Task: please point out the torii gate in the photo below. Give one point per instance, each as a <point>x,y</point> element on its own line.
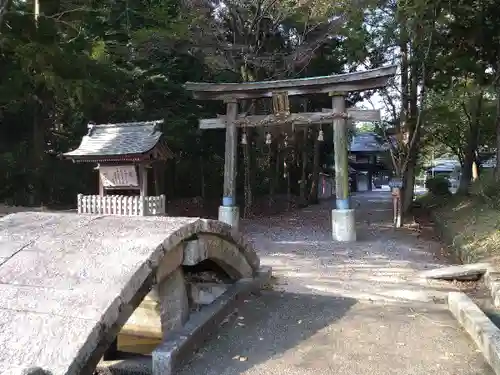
<point>337,86</point>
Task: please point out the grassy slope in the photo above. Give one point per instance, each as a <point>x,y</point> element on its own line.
<point>469,224</point>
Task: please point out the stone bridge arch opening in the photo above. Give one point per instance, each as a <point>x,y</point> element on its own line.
<point>190,277</point>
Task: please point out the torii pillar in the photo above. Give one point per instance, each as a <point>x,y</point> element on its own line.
<point>343,217</point>
<point>229,212</point>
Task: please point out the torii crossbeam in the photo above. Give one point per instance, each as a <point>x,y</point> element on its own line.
<point>338,86</point>
<point>305,118</point>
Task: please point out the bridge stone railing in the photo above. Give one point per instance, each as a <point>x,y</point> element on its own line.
<point>122,205</point>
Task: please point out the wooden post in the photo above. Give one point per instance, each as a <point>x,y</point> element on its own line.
<point>372,160</point>
<point>341,157</point>
<point>143,179</point>
<point>396,184</point>
<point>229,197</point>
<point>396,197</point>
<point>102,191</point>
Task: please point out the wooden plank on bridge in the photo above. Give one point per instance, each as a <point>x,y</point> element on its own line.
<point>305,118</point>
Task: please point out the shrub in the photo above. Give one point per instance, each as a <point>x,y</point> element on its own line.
<point>438,185</point>
<point>487,189</point>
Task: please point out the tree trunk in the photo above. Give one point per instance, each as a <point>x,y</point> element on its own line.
<point>398,215</point>
<point>38,156</point>
<point>274,169</point>
<point>497,125</point>
<point>202,181</point>
<point>247,183</point>
<point>466,175</point>
<point>172,179</point>
<point>303,177</point>
<point>313,194</point>
<point>413,130</point>
<point>469,158</point>
<point>409,182</point>
<point>471,147</point>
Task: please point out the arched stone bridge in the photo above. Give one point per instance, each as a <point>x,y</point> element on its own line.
<point>69,283</point>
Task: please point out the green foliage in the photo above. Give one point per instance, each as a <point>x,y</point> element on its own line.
<point>124,61</point>
<point>487,189</point>
<point>438,186</point>
<point>365,127</point>
<point>452,115</point>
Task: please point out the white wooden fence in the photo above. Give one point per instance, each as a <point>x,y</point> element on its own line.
<point>121,205</point>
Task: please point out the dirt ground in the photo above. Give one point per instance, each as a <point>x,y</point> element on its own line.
<point>357,308</point>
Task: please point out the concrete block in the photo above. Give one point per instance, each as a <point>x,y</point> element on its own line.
<point>343,225</point>
<point>491,275</point>
<point>230,216</point>
<point>459,272</point>
<point>206,293</point>
<point>492,281</point>
<point>481,329</point>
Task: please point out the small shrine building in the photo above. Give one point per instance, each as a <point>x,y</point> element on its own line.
<point>368,156</point>
<point>124,154</point>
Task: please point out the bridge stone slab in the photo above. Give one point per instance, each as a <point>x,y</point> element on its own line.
<point>16,232</point>
<point>28,339</point>
<point>69,282</point>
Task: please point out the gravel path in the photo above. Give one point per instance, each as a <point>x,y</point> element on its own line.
<point>343,308</point>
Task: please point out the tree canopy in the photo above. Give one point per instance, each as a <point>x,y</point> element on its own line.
<point>67,63</point>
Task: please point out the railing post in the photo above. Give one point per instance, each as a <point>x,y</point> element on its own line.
<point>143,208</point>
<point>163,204</point>
<point>79,203</point>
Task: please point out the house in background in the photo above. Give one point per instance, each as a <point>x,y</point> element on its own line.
<point>370,160</point>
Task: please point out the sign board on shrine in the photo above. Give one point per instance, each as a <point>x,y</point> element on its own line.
<point>119,176</point>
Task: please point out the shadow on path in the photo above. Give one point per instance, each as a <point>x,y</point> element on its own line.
<point>267,327</point>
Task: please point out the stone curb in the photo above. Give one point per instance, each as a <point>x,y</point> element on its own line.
<point>482,330</point>
<point>176,350</point>
<point>492,281</point>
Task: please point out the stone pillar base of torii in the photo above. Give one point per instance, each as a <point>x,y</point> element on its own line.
<point>343,225</point>
<point>230,215</point>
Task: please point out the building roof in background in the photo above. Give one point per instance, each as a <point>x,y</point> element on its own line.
<point>120,140</point>
<point>368,142</point>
